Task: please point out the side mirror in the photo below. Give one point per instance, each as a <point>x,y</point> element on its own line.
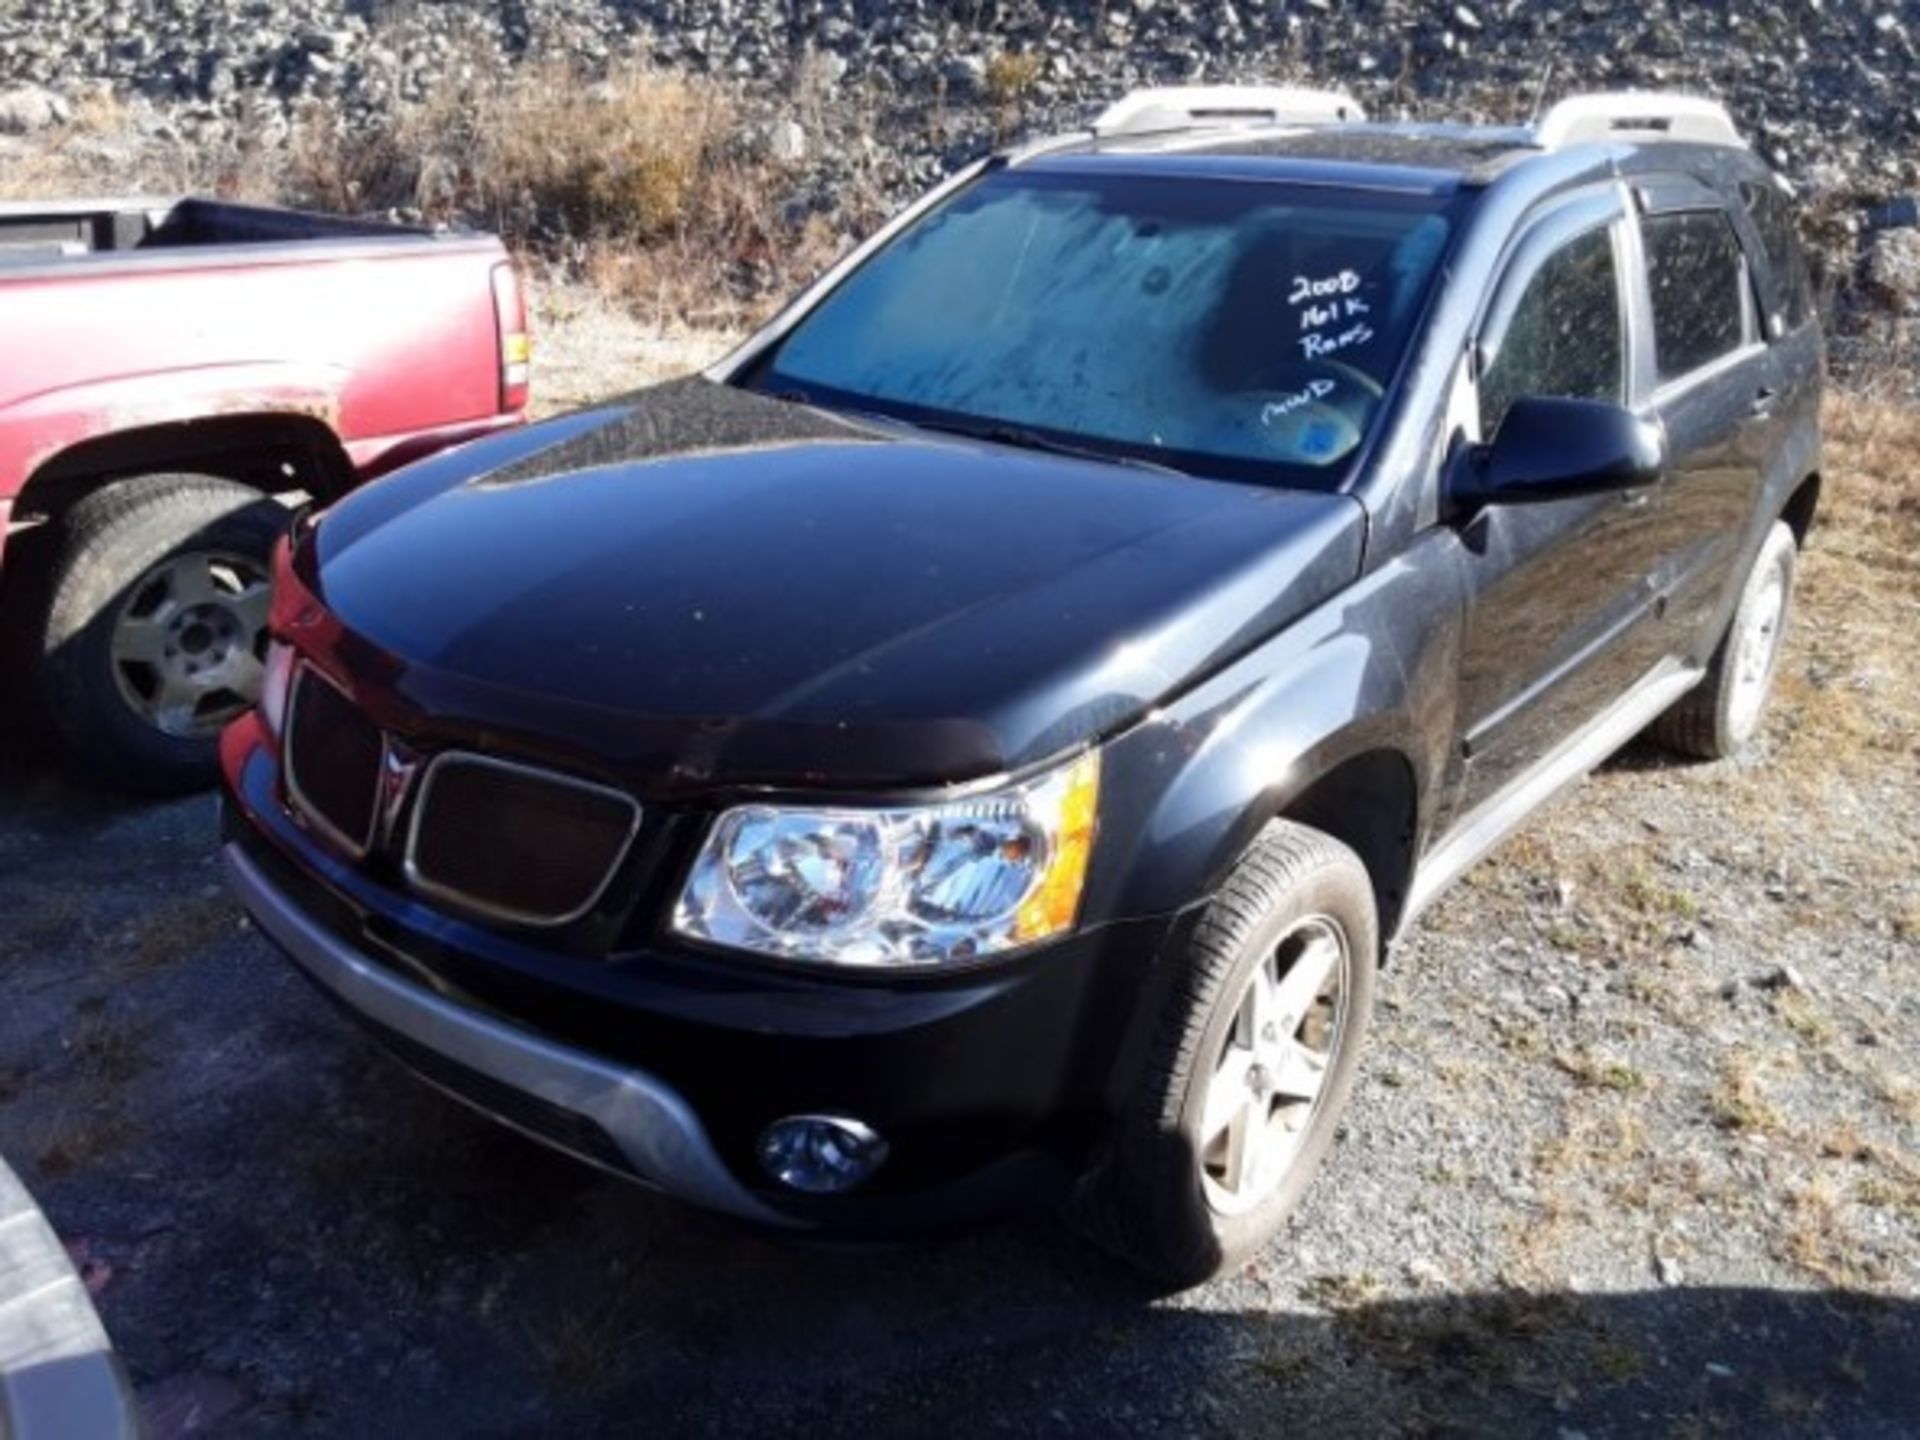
<point>1553,449</point>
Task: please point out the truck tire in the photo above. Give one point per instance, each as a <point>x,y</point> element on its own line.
<point>154,627</point>
<point>1251,1066</point>
<point>1722,713</point>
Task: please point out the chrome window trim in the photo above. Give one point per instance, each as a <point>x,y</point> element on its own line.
<point>304,809</point>
<point>433,889</point>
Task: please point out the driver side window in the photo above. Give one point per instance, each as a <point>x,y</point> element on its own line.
<point>1564,338</point>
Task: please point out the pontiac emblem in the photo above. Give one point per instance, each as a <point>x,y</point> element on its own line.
<point>397,767</point>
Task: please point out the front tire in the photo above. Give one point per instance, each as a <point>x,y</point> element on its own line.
<point>1720,715</point>
<point>154,625</point>
<point>1252,1065</point>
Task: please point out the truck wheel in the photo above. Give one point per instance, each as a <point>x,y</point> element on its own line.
<point>155,625</point>
<point>1722,713</point>
<point>1252,1064</point>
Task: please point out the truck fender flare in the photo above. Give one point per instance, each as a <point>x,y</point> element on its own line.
<point>39,430</point>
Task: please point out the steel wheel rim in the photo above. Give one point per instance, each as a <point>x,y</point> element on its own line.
<point>1755,651</point>
<point>1270,1077</point>
<point>188,641</point>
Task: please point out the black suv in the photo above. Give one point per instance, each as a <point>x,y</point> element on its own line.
<point>972,747</point>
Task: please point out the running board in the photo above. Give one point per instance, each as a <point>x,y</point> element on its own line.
<point>1471,839</point>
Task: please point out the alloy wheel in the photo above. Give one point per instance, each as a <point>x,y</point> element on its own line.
<point>1279,1051</point>
<point>1755,651</point>
<point>188,642</point>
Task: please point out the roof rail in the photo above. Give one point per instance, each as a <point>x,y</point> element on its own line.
<point>1188,107</point>
<point>1635,115</point>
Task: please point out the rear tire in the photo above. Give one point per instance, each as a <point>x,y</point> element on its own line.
<point>1720,715</point>
<point>152,630</point>
<point>1180,1198</point>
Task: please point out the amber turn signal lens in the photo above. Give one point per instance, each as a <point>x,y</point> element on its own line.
<point>1054,904</point>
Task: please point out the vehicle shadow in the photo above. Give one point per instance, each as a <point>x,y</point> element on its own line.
<point>645,1309</point>
<point>1025,1328</point>
<point>492,1287</point>
<point>53,790</point>
<point>1642,755</point>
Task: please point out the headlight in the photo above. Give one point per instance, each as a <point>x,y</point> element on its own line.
<point>905,887</point>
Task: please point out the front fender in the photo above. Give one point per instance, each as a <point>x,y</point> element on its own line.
<point>1370,670</point>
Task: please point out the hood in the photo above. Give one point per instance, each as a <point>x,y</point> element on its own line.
<point>703,584</point>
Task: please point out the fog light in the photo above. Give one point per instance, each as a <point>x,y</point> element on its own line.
<point>820,1154</point>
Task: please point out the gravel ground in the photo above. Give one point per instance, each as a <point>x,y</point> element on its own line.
<point>1636,1148</point>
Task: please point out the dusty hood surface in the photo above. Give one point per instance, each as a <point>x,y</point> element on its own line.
<point>709,584</point>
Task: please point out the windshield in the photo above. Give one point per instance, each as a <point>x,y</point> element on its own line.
<point>1220,326</point>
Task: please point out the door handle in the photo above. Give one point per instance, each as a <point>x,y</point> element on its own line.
<point>1763,399</point>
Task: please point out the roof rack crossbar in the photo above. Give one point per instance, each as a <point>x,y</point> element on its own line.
<point>1188,107</point>
<point>1635,115</point>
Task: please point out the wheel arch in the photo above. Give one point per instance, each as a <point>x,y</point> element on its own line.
<point>1343,722</point>
<point>1369,802</point>
<point>270,452</point>
<point>1801,506</point>
<point>1366,784</point>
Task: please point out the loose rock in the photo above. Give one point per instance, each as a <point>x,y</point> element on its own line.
<point>27,108</point>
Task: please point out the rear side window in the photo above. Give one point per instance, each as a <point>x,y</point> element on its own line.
<point>1774,220</point>
<point>1563,340</point>
<point>1695,274</point>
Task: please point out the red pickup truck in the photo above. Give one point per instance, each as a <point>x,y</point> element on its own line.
<point>171,372</point>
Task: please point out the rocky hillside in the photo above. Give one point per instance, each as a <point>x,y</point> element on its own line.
<point>1827,85</point>
<point>1827,88</point>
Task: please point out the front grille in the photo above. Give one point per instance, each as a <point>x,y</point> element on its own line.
<point>333,761</point>
<point>514,843</point>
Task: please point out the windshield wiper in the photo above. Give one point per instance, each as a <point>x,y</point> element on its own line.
<point>793,396</point>
<point>999,433</point>
<point>994,432</point>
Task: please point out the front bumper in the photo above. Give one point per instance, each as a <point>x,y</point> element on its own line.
<point>994,1089</point>
<point>652,1130</point>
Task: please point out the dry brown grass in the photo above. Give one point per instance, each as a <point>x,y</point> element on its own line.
<point>659,190</point>
<point>35,172</point>
<point>1599,1072</point>
<point>1739,1099</point>
<point>546,151</point>
<point>1855,704</point>
<point>102,150</point>
<point>1899,1093</point>
<point>649,185</point>
<point>1011,76</point>
<point>1817,1240</point>
<point>1847,1198</point>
